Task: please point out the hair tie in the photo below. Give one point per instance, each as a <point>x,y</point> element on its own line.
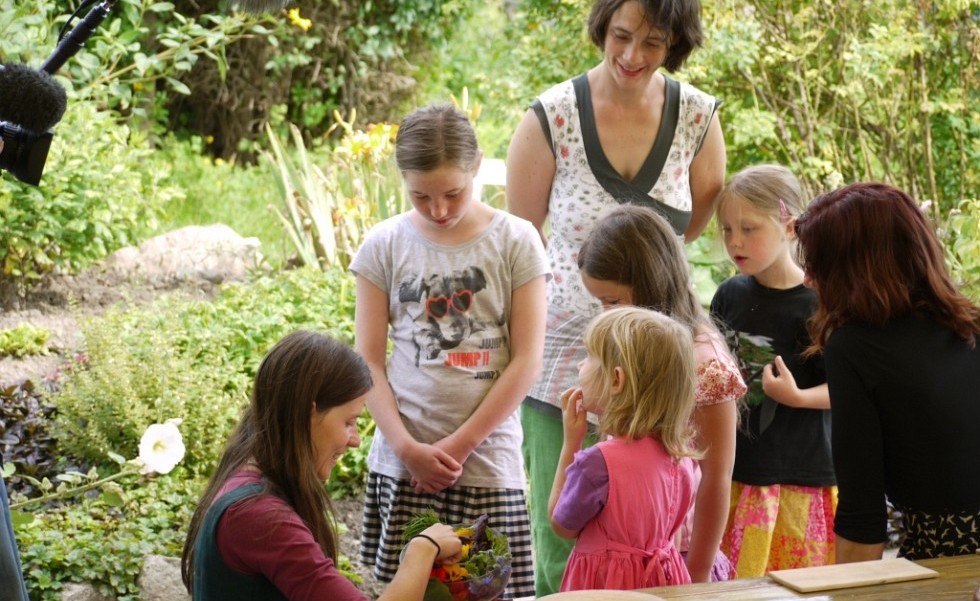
<point>783,212</point>
<point>431,540</point>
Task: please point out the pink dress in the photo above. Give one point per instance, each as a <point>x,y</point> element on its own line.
<point>629,544</point>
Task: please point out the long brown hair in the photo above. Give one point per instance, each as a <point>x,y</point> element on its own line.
<point>636,247</point>
<point>301,369</point>
<point>872,255</point>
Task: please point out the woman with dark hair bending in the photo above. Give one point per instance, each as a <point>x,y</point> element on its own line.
<point>900,348</point>
<point>262,530</point>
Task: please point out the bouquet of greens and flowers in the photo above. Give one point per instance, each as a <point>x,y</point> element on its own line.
<point>753,353</point>
<point>483,570</point>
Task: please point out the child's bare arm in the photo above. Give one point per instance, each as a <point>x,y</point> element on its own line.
<point>716,437</point>
<point>575,425</point>
<point>782,388</point>
<point>426,463</point>
<point>527,325</point>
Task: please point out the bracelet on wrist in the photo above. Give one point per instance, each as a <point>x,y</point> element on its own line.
<point>431,540</point>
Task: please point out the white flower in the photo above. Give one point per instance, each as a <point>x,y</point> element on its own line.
<point>161,447</point>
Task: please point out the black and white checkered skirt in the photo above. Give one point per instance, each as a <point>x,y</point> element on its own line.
<point>390,503</point>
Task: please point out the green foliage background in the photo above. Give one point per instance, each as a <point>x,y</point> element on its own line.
<point>101,190</point>
<point>838,91</point>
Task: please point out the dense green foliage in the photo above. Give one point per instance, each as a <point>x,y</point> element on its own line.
<point>24,340</point>
<point>201,65</point>
<point>103,540</point>
<point>850,91</point>
<point>179,357</point>
<point>189,359</point>
<point>101,191</point>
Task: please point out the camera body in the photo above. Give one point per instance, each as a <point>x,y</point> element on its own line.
<point>23,152</point>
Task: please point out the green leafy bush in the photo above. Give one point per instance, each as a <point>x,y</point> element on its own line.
<point>24,340</point>
<point>103,539</point>
<point>189,359</point>
<point>848,91</point>
<point>181,358</point>
<point>137,375</point>
<point>100,191</point>
<point>357,55</point>
<point>960,234</point>
<point>134,58</point>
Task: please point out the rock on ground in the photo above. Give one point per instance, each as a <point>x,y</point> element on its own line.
<point>159,580</point>
<point>193,259</point>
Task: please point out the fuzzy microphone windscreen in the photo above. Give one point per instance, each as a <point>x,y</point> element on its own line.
<point>30,98</point>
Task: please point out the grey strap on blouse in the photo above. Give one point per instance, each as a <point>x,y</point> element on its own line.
<point>637,190</point>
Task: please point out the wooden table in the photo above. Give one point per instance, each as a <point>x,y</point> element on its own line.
<point>959,578</point>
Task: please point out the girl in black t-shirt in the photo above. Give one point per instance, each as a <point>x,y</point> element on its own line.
<point>783,490</point>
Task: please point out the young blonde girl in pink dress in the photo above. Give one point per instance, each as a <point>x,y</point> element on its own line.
<point>624,499</point>
<point>633,257</point>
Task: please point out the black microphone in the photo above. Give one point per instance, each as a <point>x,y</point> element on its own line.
<point>76,38</point>
<point>31,102</point>
<point>30,98</point>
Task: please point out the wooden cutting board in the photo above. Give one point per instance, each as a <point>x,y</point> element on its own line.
<point>846,575</point>
<point>601,595</point>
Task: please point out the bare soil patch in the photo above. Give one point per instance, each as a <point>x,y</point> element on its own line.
<point>61,303</point>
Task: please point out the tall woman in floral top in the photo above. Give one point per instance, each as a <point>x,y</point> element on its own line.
<point>621,133</point>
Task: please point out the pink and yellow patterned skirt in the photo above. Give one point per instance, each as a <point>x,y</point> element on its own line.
<point>779,527</point>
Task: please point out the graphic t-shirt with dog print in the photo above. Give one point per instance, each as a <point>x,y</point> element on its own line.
<point>449,310</point>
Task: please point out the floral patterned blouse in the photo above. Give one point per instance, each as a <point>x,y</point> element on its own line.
<point>719,379</point>
<point>586,186</point>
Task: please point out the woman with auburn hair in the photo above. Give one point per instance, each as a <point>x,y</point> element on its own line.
<point>900,348</point>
